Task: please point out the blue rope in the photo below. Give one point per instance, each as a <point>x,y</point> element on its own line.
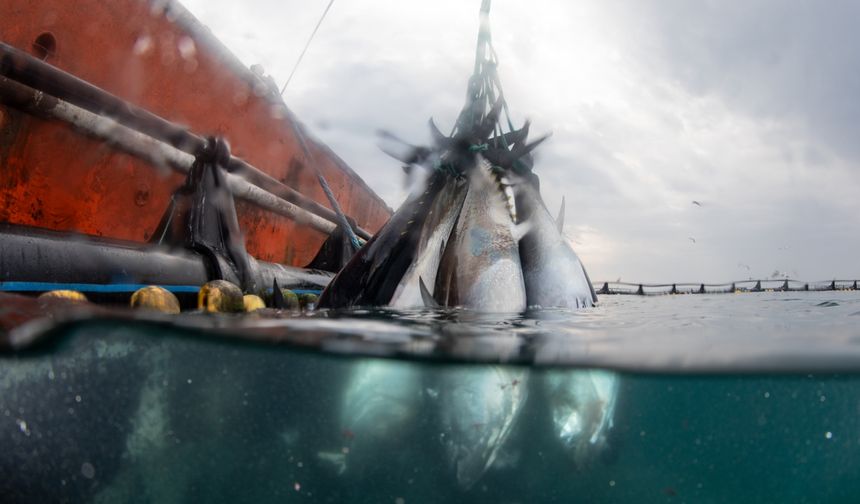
<point>88,287</point>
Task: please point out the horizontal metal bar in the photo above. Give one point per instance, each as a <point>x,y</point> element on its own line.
<point>32,72</point>
<point>30,256</point>
<point>147,148</point>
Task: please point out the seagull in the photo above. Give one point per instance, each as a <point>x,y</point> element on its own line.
<point>697,203</point>
<point>691,239</point>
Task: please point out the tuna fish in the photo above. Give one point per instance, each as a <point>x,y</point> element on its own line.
<point>477,235</point>
<point>377,407</point>
<point>479,407</point>
<point>554,276</point>
<point>480,268</point>
<point>582,404</point>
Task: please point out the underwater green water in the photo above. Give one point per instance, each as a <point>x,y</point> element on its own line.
<point>119,412</point>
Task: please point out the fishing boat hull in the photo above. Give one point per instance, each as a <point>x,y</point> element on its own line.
<point>156,56</point>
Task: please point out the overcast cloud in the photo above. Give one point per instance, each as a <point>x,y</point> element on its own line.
<point>746,107</point>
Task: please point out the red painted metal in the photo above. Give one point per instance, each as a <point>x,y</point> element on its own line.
<point>153,54</point>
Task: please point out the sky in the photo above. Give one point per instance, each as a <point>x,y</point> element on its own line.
<point>749,109</point>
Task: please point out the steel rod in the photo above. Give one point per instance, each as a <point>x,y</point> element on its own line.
<point>32,72</point>
<point>154,151</point>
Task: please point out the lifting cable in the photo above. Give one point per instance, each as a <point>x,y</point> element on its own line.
<point>302,55</point>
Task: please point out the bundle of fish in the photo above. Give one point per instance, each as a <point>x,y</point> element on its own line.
<point>477,235</point>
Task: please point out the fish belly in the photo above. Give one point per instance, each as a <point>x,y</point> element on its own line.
<point>479,408</point>
<point>380,401</point>
<point>582,406</point>
<point>481,268</point>
<point>434,236</point>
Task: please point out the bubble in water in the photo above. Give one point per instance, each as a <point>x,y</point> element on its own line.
<point>612,483</point>
<point>22,424</point>
<point>400,500</point>
<point>77,398</point>
<point>87,470</point>
<point>297,486</point>
<point>828,435</point>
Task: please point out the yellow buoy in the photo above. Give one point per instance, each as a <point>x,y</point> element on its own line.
<point>309,301</point>
<point>220,296</point>
<point>155,298</point>
<point>253,302</point>
<point>64,294</point>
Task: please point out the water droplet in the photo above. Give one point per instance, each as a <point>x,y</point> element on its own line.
<point>189,381</point>
<point>87,470</point>
<point>23,426</point>
<point>187,49</point>
<point>828,435</point>
<point>297,486</point>
<point>142,45</point>
<point>77,398</point>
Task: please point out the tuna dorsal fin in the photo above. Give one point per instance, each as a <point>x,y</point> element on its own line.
<point>278,301</point>
<point>559,221</point>
<point>429,302</point>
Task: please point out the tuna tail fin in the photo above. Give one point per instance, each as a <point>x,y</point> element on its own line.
<point>525,149</point>
<point>429,301</point>
<point>402,150</point>
<point>559,221</point>
<point>441,140</point>
<point>278,301</point>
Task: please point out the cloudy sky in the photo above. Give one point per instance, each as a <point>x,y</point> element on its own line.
<point>750,108</point>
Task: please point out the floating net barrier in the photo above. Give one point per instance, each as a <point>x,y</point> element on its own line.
<point>767,285</point>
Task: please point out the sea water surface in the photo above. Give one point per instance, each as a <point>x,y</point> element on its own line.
<point>721,398</point>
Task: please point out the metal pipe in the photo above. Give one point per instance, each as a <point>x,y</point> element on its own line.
<point>147,148</point>
<point>32,72</point>
<point>39,255</point>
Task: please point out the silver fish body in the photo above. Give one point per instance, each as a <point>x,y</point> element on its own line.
<point>378,406</point>
<point>553,273</point>
<point>435,232</point>
<point>480,268</point>
<point>479,407</point>
<point>582,404</point>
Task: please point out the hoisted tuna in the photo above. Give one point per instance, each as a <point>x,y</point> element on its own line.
<point>479,408</point>
<point>554,275</point>
<point>581,402</point>
<point>481,267</point>
<point>582,405</point>
<point>377,408</point>
<point>460,242</point>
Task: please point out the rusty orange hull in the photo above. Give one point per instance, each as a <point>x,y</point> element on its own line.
<point>157,56</point>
